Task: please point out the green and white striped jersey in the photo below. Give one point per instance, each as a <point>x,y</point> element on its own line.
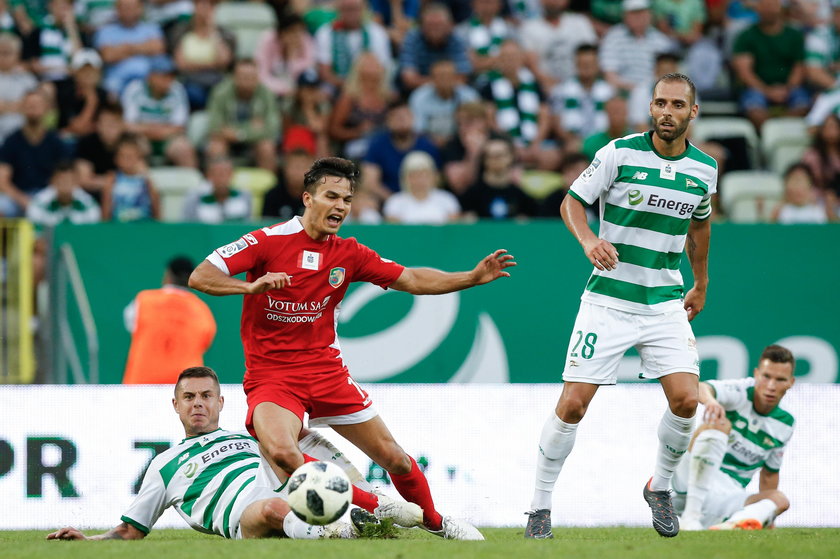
<point>647,203</point>
<point>756,441</point>
<point>209,479</point>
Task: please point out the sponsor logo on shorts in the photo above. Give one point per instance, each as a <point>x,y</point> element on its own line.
<point>692,343</point>
<point>229,250</point>
<point>573,364</point>
<point>336,277</point>
<point>634,197</point>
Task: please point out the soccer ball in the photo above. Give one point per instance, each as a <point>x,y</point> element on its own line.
<point>319,492</point>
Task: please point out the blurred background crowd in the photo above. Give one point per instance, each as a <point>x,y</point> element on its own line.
<point>207,111</point>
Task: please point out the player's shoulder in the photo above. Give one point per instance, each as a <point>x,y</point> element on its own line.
<point>280,230</point>
<point>701,156</point>
<point>731,386</point>
<point>783,416</point>
<point>637,142</point>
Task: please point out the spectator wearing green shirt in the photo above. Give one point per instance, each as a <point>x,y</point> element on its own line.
<point>617,127</point>
<point>768,58</point>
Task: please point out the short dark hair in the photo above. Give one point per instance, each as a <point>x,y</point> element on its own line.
<point>64,166</point>
<point>179,269</point>
<point>585,48</point>
<point>678,77</point>
<point>330,167</point>
<point>799,166</point>
<point>778,354</point>
<point>111,107</point>
<point>667,57</point>
<point>198,372</point>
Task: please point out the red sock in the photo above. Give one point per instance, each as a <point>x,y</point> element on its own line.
<point>361,498</point>
<point>414,487</point>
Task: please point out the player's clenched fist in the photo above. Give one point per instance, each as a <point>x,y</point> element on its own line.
<point>271,280</point>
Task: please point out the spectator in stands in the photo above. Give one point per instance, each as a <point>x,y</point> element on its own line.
<point>310,109</point>
<point>28,157</point>
<point>63,200</point>
<point>80,97</point>
<point>768,60</point>
<point>434,104</point>
<point>681,20</point>
<point>284,53</point>
<point>617,126</point>
<point>14,83</point>
<point>342,41</point>
<point>638,104</point>
<point>216,200</point>
<point>130,195</point>
<point>553,38</point>
<point>244,119</point>
<point>28,15</point>
<point>518,101</point>
<point>168,14</point>
<point>53,43</point>
<point>128,46</point>
<point>573,165</point>
<point>361,108</point>
<point>387,149</point>
<point>628,50</point>
<point>157,108</point>
<point>93,14</point>
<point>822,55</point>
<point>203,53</point>
<point>171,328</point>
<point>496,194</point>
<point>285,199</point>
<point>397,17</point>
<point>484,33</point>
<point>577,104</point>
<point>420,201</point>
<point>433,40</point>
<point>801,203</point>
<point>605,14</point>
<point>823,157</point>
<point>462,153</point>
<point>95,152</point>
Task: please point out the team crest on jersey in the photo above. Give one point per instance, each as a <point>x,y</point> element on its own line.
<point>310,260</point>
<point>229,250</point>
<point>336,277</point>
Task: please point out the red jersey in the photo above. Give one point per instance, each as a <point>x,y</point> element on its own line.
<point>294,328</point>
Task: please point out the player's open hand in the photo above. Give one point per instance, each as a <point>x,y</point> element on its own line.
<point>67,533</point>
<point>493,267</point>
<point>602,254</point>
<point>271,280</point>
<point>714,413</point>
<point>694,302</point>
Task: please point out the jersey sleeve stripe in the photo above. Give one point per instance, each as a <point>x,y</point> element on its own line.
<point>226,521</point>
<point>136,524</point>
<point>577,197</point>
<point>218,262</point>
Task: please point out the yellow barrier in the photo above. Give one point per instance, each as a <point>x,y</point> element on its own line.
<point>17,358</point>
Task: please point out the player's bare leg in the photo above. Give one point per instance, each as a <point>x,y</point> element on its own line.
<point>556,442</point>
<point>375,439</point>
<point>277,430</point>
<point>682,391</point>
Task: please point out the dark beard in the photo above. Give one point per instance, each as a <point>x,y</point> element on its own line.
<point>670,135</point>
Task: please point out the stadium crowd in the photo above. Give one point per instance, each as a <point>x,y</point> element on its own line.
<point>196,110</point>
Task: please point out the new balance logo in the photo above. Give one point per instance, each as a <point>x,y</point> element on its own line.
<point>639,176</point>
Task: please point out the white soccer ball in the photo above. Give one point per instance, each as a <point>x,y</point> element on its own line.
<point>319,492</point>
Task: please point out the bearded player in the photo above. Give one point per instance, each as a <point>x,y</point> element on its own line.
<point>297,273</point>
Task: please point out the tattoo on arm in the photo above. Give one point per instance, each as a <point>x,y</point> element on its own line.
<point>690,245</point>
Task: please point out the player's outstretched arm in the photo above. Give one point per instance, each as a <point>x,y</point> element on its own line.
<point>124,531</point>
<point>428,281</point>
<point>601,253</point>
<point>697,247</point>
<point>207,278</point>
<point>714,411</point>
<point>768,480</point>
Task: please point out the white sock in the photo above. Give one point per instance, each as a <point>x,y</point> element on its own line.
<point>705,459</point>
<point>316,446</point>
<point>764,511</point>
<point>556,442</point>
<point>674,436</point>
<point>297,529</point>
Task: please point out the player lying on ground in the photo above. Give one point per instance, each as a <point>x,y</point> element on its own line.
<point>297,274</point>
<point>745,431</point>
<point>218,481</point>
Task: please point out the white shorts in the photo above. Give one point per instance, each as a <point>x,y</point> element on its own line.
<point>266,485</point>
<point>725,497</point>
<point>602,336</point>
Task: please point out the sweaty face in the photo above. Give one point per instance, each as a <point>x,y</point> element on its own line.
<point>198,404</point>
<point>772,381</point>
<point>327,209</point>
<point>672,110</point>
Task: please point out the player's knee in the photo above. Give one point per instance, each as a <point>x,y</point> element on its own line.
<point>781,500</point>
<point>394,460</point>
<point>571,409</point>
<point>288,458</point>
<point>684,405</point>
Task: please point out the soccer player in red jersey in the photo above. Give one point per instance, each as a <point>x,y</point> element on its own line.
<point>297,274</point>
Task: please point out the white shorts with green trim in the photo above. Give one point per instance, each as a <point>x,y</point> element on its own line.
<point>601,336</point>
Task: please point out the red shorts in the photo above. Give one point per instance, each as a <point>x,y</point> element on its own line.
<point>330,398</point>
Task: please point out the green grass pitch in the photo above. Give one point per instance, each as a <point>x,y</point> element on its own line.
<point>502,543</point>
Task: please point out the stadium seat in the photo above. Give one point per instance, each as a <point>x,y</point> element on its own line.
<point>173,183</point>
<point>750,196</point>
<point>777,133</point>
<point>257,182</point>
<point>784,156</point>
<point>724,127</point>
<point>247,21</point>
<point>198,128</point>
